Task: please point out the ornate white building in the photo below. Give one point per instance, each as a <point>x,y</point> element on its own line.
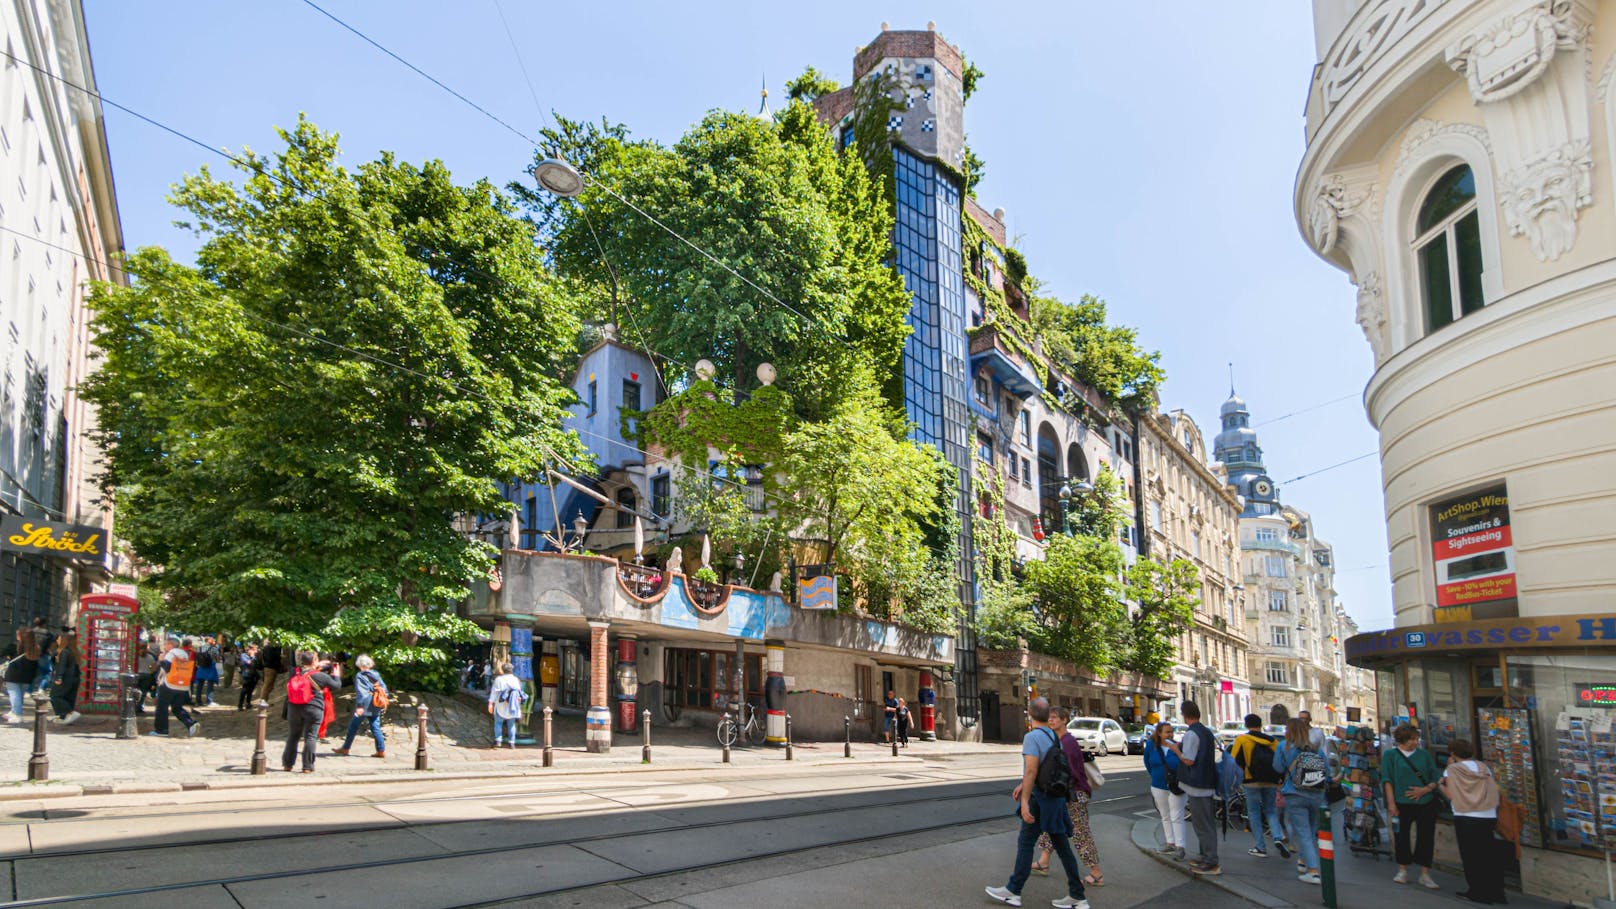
<point>1459,170</point>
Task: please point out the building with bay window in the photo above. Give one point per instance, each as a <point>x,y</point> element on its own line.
<point>1458,170</point>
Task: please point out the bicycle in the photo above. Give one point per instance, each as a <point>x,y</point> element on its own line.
<point>748,728</point>
<point>1232,811</point>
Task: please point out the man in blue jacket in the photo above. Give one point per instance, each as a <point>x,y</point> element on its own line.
<point>1198,777</point>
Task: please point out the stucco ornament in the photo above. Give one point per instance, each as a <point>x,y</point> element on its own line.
<point>1333,200</point>
<point>1374,30</point>
<point>1515,50</point>
<point>1542,198</point>
<point>1372,315</point>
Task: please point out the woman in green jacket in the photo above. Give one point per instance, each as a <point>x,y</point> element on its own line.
<point>1409,774</point>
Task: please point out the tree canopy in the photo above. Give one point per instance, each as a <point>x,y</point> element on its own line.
<point>355,359</point>
<point>1105,357</point>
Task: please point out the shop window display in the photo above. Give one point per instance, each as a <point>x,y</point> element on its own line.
<point>1573,721</point>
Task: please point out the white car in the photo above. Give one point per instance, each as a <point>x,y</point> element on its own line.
<point>1229,731</point>
<point>1098,735</point>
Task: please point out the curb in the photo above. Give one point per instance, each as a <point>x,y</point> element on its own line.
<point>1144,839</point>
<point>18,792</point>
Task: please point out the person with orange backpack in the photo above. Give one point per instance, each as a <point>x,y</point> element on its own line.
<point>305,707</point>
<point>371,697</point>
<point>174,674</point>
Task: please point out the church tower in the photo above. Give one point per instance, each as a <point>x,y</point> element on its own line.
<point>1236,446</point>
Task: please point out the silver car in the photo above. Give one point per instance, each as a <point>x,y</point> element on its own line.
<point>1098,735</point>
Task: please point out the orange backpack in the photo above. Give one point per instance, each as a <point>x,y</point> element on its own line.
<point>179,673</point>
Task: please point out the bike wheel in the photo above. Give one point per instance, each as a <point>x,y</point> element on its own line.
<point>755,734</point>
<point>726,731</point>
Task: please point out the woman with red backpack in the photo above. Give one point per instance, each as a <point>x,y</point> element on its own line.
<point>305,708</point>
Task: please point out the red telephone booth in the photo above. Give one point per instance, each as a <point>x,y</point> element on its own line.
<point>107,637</point>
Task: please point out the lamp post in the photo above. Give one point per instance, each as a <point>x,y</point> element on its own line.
<point>1067,490</point>
<point>580,529</point>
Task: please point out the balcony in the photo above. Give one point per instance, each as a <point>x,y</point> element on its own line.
<point>1292,549</point>
<point>988,349</point>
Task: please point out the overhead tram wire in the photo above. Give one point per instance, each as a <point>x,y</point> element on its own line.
<point>1308,409</point>
<point>516,51</point>
<point>1314,473</point>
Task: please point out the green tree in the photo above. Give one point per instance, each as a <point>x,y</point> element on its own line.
<point>776,206</point>
<point>356,359</point>
<point>1166,596</point>
<point>1105,357</point>
<point>810,85</point>
<point>1080,613</point>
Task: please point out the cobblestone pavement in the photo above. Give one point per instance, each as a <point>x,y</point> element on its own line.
<point>86,757</point>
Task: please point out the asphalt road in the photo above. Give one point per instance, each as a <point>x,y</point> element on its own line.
<point>933,835</point>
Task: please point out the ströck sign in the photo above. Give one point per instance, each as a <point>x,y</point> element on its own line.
<point>64,541</point>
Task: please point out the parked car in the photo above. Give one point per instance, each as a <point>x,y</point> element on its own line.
<point>1098,736</point>
<point>1137,736</point>
<point>1229,731</point>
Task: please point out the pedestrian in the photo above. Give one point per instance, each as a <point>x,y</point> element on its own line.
<point>1469,784</point>
<point>47,647</point>
<point>1409,776</point>
<point>327,700</point>
<point>66,673</point>
<point>1041,812</point>
<point>175,672</point>
<point>146,676</point>
<point>1306,772</point>
<point>272,664</point>
<point>207,673</point>
<point>1161,762</point>
<point>903,723</point>
<point>1077,805</point>
<point>505,697</point>
<point>1315,734</point>
<point>465,676</point>
<point>305,708</point>
<point>247,663</point>
<point>21,670</point>
<point>370,699</point>
<point>1255,752</point>
<point>231,660</point>
<point>890,724</point>
<point>1198,777</point>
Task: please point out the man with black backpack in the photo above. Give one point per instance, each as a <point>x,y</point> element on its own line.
<point>1254,752</point>
<point>1046,781</point>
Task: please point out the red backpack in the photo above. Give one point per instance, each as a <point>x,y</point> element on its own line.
<point>299,689</point>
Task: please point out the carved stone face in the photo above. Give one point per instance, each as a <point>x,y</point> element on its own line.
<point>1543,204</point>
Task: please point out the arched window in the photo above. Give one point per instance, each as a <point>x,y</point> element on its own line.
<point>1448,247</point>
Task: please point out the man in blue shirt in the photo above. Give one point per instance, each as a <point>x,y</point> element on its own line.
<point>1198,777</point>
<point>1041,813</point>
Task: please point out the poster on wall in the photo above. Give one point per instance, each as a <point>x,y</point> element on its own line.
<point>1474,556</point>
<point>816,589</point>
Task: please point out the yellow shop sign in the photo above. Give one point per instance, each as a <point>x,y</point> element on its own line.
<point>65,541</point>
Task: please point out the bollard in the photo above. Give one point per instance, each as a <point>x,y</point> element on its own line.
<point>421,711</point>
<point>894,735</point>
<point>260,763</point>
<point>128,697</point>
<point>1327,857</point>
<point>788,738</point>
<point>726,744</point>
<point>645,736</point>
<point>39,764</point>
<point>847,732</point>
<point>549,752</point>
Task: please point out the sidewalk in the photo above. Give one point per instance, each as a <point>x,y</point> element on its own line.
<point>87,759</point>
<point>1271,882</point>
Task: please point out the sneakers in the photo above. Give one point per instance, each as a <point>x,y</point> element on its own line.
<point>13,717</point>
<point>190,731</point>
<point>1401,877</point>
<point>1179,853</point>
<point>1260,853</point>
<point>1311,877</point>
<point>1206,870</point>
<point>1003,895</point>
<point>340,751</point>
<point>1168,849</point>
<point>1067,902</point>
<point>71,718</point>
<point>155,732</point>
<point>1427,883</point>
<point>1284,849</point>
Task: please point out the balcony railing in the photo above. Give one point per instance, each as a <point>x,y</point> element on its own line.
<point>1272,545</point>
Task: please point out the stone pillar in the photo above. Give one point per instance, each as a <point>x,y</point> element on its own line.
<point>598,722</point>
<point>774,693</point>
<point>627,675</point>
<point>549,673</point>
<point>928,708</point>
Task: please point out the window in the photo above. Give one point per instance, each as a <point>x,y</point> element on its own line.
<point>1279,601</point>
<point>631,395</point>
<point>862,689</point>
<point>984,391</point>
<point>627,502</point>
<point>1278,674</point>
<point>1448,247</point>
<point>702,678</point>
<point>1195,543</point>
<point>1155,515</point>
<point>591,399</point>
<point>1280,636</point>
<point>1274,566</point>
<point>984,447</point>
<point>661,495</point>
<point>1026,472</point>
<point>1026,428</point>
<point>1267,535</point>
<point>1189,439</point>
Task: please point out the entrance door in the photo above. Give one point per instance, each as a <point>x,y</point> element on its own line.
<point>990,715</point>
<point>886,686</point>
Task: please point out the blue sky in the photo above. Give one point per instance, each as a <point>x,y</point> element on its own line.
<point>1145,155</point>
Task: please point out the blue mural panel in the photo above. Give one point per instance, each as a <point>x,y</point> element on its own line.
<point>747,615</point>
<point>677,611</point>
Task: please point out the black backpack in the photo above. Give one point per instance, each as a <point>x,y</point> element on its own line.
<point>204,659</point>
<point>1054,777</point>
<point>1259,761</point>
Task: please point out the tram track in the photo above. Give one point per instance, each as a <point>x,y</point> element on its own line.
<point>979,791</point>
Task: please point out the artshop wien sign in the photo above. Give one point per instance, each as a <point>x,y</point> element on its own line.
<point>64,541</point>
<point>1474,556</point>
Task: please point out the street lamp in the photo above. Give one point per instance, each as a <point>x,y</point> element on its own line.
<point>580,527</point>
<point>1083,488</point>
<point>558,177</point>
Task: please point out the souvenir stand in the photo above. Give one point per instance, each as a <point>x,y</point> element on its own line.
<point>108,639</point>
<point>1365,816</point>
